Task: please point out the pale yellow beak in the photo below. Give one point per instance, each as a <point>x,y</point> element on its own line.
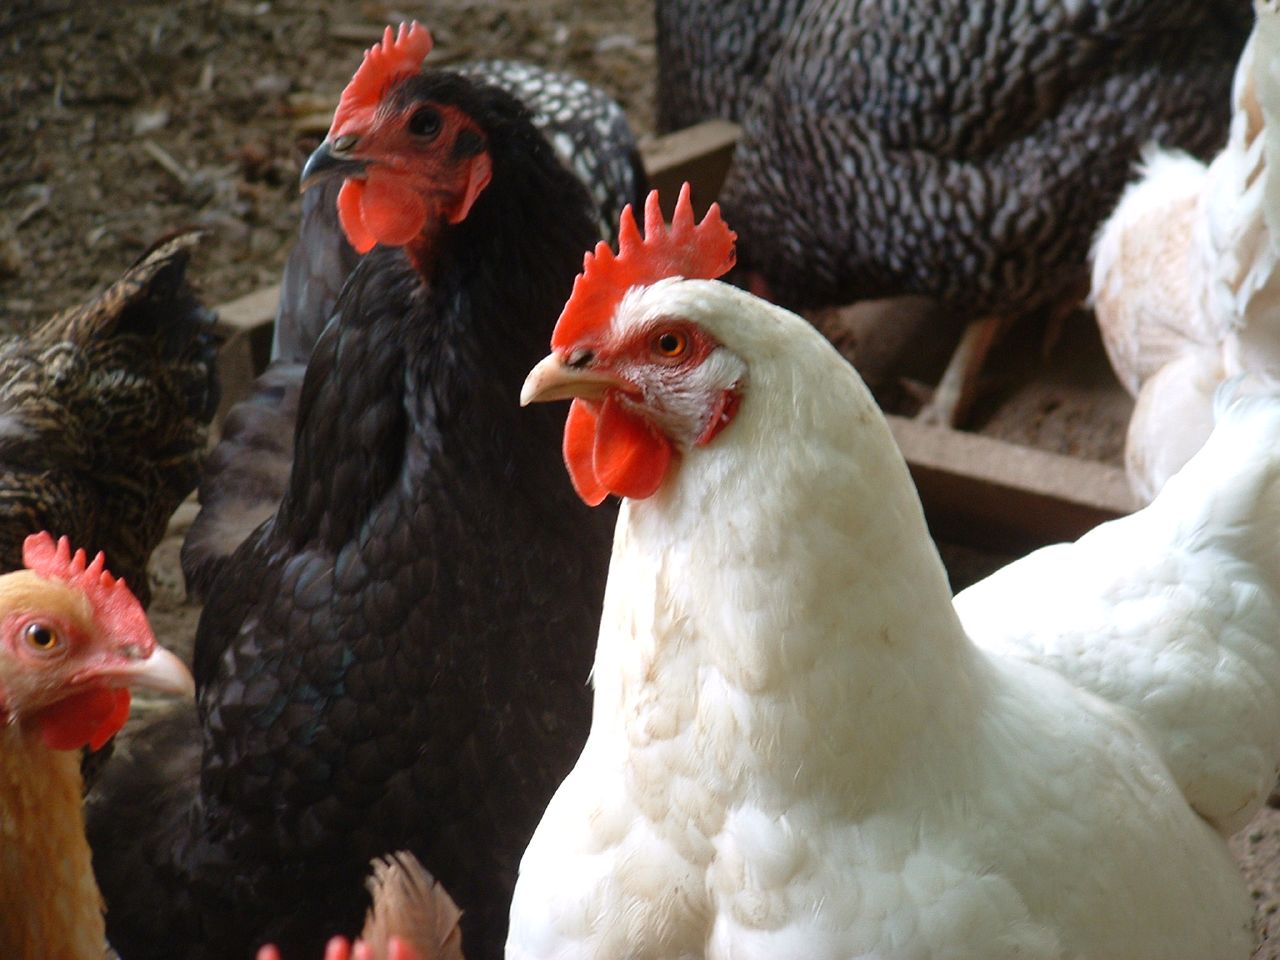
<point>553,379</point>
<point>162,672</point>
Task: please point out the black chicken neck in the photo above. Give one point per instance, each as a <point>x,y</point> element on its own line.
<point>435,345</point>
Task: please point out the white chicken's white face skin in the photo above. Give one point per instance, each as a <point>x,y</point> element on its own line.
<point>683,380</point>
<point>650,385</point>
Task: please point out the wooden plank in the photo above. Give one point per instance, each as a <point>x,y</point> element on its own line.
<point>699,154</point>
<point>246,326</point>
<point>249,312</point>
<point>988,493</point>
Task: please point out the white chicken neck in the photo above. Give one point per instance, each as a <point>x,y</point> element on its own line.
<point>781,588</point>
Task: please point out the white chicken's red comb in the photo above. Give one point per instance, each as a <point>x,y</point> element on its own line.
<point>696,251</point>
<point>396,55</point>
<point>114,604</point>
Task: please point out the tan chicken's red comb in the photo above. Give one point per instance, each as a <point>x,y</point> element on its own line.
<point>114,604</point>
<point>397,55</point>
<point>701,251</point>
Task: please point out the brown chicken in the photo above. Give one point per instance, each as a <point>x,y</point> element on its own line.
<point>104,415</point>
<point>73,639</point>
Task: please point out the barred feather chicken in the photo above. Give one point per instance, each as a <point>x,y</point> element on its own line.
<point>1186,273</point>
<point>715,56</point>
<point>397,658</point>
<point>967,150</point>
<point>247,471</point>
<point>104,415</point>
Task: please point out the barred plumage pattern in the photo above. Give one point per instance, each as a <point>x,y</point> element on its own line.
<point>713,56</point>
<point>965,150</point>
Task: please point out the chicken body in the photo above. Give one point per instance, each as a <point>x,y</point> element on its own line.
<point>1172,613</point>
<point>961,151</point>
<point>248,470</point>
<point>58,653</point>
<point>1185,280</point>
<point>105,411</point>
<point>714,57</point>
<point>795,749</point>
<point>397,659</point>
<point>965,151</point>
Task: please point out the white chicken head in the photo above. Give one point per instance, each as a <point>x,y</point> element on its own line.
<point>649,381</point>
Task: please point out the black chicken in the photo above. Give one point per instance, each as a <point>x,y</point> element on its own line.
<point>247,471</point>
<point>104,415</point>
<point>966,151</point>
<point>398,658</point>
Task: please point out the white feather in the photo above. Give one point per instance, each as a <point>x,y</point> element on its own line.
<point>1185,271</point>
<point>797,752</point>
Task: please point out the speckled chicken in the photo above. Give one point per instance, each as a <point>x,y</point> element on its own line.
<point>104,415</point>
<point>1186,273</point>
<point>247,471</point>
<point>965,151</point>
<point>397,658</point>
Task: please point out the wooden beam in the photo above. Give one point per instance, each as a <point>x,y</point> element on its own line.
<point>699,154</point>
<point>987,493</point>
<point>246,326</point>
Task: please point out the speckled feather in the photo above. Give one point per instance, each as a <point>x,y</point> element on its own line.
<point>588,132</point>
<point>713,57</point>
<point>399,658</point>
<point>965,150</point>
<point>104,415</point>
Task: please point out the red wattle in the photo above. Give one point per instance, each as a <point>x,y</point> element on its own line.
<point>608,449</point>
<point>352,220</point>
<point>579,447</point>
<point>631,455</point>
<point>87,719</point>
<point>393,213</point>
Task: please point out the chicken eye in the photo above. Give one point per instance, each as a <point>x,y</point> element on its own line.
<point>41,637</point>
<point>670,344</point>
<point>424,122</point>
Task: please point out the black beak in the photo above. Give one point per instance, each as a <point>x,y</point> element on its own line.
<point>324,165</point>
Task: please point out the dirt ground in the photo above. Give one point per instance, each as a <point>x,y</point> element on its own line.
<point>122,121</point>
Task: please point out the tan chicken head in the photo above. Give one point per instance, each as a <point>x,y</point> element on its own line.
<point>73,640</point>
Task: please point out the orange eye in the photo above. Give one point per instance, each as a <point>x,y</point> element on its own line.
<point>670,344</point>
<point>41,637</point>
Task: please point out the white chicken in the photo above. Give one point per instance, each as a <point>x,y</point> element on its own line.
<point>796,751</point>
<point>1185,281</point>
<point>1172,612</point>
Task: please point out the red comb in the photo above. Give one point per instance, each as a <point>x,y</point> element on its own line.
<point>396,56</point>
<point>702,251</point>
<point>114,604</point>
